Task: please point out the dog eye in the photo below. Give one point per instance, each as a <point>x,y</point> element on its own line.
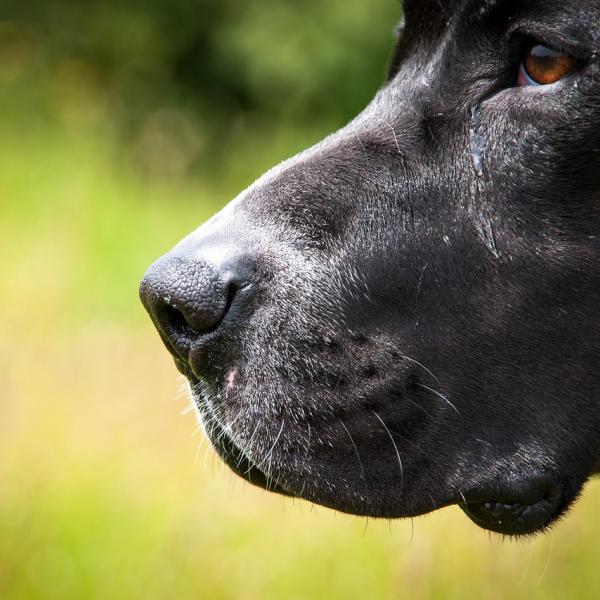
<point>543,66</point>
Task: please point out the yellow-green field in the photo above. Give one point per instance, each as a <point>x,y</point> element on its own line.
<point>106,489</point>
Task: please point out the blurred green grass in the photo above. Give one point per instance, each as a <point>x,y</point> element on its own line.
<point>105,490</point>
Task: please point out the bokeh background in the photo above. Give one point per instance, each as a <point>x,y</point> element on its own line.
<point>123,125</point>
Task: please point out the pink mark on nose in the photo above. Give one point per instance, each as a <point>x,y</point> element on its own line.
<point>230,379</point>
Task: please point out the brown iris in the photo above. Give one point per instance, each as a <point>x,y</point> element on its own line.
<point>545,65</point>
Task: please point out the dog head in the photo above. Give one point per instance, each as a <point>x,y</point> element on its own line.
<point>406,315</point>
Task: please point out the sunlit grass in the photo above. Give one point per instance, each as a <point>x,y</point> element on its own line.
<point>105,492</point>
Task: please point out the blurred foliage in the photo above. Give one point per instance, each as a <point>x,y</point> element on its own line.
<point>183,80</point>
<point>124,125</point>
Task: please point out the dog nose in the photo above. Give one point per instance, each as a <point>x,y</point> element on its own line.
<point>187,299</point>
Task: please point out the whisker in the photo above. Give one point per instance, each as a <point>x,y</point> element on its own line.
<point>267,456</point>
<point>362,470</point>
<point>363,148</point>
<point>416,404</point>
<point>395,448</point>
<point>197,429</point>
<point>395,138</point>
<point>249,445</point>
<point>440,396</point>
<point>408,358</point>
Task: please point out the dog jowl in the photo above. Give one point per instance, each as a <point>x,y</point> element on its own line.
<point>407,315</point>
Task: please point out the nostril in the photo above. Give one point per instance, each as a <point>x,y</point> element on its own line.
<point>187,322</point>
<point>176,322</point>
<point>189,299</point>
<point>195,317</point>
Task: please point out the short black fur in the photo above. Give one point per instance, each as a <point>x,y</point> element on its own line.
<point>413,310</point>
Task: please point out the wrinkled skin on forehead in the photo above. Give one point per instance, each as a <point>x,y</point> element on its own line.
<point>425,318</point>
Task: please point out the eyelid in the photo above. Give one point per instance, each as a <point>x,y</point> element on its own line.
<point>545,36</point>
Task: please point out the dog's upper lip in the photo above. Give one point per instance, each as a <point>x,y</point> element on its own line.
<point>184,368</point>
<point>192,356</point>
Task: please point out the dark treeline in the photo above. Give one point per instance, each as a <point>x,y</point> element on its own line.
<point>215,60</point>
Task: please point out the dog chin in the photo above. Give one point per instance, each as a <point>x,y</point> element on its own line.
<point>518,505</point>
<point>230,452</point>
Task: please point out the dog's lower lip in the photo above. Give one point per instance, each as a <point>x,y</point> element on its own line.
<point>511,514</point>
<point>510,519</point>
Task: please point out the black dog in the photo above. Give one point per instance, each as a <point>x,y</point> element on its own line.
<point>407,315</point>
